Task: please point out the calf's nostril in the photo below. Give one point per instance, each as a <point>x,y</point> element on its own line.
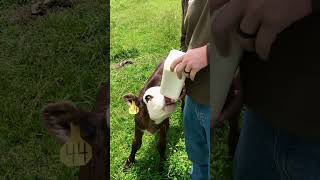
<point>168,100</point>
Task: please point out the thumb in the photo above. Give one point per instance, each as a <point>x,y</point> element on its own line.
<point>264,41</point>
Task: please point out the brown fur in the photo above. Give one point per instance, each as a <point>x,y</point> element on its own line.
<point>94,128</point>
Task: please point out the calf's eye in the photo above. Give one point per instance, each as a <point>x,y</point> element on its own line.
<point>148,98</point>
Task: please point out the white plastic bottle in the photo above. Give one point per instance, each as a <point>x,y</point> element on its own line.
<point>171,86</point>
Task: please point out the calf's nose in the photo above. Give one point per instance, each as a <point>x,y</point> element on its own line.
<point>168,100</point>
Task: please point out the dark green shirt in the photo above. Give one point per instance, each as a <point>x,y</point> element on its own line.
<point>196,26</point>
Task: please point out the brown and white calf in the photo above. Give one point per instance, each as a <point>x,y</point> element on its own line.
<point>94,128</point>
<point>153,116</point>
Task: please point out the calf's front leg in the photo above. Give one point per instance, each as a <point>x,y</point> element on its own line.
<point>161,145</point>
<point>136,144</point>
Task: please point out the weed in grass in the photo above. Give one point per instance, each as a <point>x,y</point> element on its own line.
<point>125,54</point>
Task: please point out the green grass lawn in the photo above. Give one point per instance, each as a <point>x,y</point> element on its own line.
<point>144,32</point>
<point>221,162</point>
<point>60,56</point>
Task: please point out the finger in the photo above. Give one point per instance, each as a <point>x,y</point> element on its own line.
<point>175,62</point>
<point>246,44</point>
<point>193,74</point>
<point>225,21</point>
<point>249,25</point>
<point>264,40</point>
<point>187,75</point>
<point>251,20</point>
<point>180,69</point>
<point>188,68</point>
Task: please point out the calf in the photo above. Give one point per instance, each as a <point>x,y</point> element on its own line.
<point>153,115</point>
<point>94,128</point>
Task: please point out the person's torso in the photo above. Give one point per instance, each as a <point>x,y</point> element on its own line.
<point>197,35</point>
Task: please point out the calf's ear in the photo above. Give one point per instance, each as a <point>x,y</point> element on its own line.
<point>129,98</point>
<point>57,118</point>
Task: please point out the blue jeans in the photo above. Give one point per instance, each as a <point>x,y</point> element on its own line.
<point>268,153</point>
<point>196,118</point>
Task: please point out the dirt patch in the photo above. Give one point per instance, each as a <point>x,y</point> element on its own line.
<point>122,64</point>
<point>23,15</point>
<point>41,7</point>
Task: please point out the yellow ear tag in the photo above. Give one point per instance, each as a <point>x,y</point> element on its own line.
<point>76,152</point>
<point>133,109</point>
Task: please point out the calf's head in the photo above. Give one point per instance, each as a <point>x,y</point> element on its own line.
<point>58,116</point>
<point>158,107</point>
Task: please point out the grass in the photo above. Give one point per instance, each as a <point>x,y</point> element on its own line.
<point>60,56</point>
<point>221,163</point>
<point>144,32</point>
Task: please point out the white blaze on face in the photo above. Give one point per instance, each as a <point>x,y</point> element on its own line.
<point>157,108</point>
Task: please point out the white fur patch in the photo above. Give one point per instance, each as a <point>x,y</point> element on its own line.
<point>157,109</point>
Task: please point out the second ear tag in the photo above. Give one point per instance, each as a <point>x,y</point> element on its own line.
<point>75,152</point>
<point>133,109</point>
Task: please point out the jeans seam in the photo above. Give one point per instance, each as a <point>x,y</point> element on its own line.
<point>199,115</point>
<point>276,154</point>
<point>285,166</point>
<point>281,164</point>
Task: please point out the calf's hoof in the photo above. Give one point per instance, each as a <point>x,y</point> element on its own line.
<point>128,165</point>
<point>160,169</point>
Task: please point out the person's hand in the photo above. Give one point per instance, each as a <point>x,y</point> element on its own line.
<point>191,62</point>
<point>234,101</point>
<point>257,21</point>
